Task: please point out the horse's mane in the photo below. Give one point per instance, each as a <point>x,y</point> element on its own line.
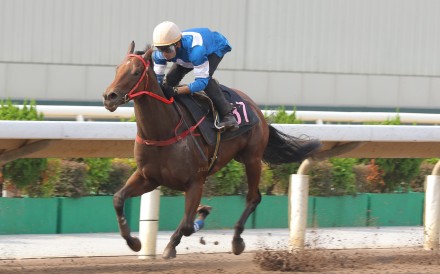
<point>148,50</point>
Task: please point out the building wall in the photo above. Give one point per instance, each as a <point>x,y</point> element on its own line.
<point>314,53</point>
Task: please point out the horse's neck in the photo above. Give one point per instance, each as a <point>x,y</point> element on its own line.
<point>155,120</point>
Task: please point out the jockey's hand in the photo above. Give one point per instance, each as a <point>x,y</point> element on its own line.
<point>160,78</point>
<point>168,91</point>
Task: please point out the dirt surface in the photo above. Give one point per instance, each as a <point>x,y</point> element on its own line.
<point>366,261</point>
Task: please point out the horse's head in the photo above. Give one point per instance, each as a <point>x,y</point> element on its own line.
<point>131,75</point>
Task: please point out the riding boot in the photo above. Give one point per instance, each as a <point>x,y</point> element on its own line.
<point>229,122</point>
<point>224,108</point>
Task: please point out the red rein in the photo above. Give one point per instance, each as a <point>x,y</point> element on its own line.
<point>131,94</point>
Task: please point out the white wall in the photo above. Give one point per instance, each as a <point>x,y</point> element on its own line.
<point>316,53</point>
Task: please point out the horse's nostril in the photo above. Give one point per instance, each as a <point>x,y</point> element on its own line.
<point>112,96</point>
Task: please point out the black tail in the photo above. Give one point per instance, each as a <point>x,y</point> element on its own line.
<point>283,148</point>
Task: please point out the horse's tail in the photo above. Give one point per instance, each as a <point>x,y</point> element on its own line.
<point>283,148</point>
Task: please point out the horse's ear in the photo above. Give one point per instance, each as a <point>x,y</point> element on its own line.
<point>131,48</point>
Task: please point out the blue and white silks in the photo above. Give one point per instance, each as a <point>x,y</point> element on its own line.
<point>196,45</point>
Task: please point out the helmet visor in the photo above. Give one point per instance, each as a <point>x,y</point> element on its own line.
<point>167,49</point>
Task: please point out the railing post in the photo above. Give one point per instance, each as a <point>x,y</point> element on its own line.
<point>298,203</point>
<point>149,223</point>
<point>299,193</point>
<point>432,210</point>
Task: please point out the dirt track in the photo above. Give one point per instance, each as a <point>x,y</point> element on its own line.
<point>368,261</point>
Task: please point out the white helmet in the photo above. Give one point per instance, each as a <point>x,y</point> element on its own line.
<point>165,34</point>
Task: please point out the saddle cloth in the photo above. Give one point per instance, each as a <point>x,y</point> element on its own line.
<point>199,107</point>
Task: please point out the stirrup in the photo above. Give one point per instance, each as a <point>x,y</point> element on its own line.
<point>217,122</point>
<point>230,127</point>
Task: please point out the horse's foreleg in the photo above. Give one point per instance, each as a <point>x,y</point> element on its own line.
<point>186,227</point>
<point>135,186</point>
<point>253,198</point>
<point>170,249</point>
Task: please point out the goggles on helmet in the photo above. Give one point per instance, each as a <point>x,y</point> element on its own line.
<point>167,49</point>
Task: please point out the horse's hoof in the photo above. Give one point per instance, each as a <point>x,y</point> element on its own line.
<point>169,253</point>
<point>238,246</point>
<point>134,243</point>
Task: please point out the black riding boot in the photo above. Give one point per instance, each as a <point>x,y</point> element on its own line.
<point>229,122</point>
<point>224,108</point>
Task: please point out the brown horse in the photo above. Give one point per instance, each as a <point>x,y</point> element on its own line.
<point>176,161</point>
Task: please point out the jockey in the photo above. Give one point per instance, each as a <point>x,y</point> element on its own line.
<point>197,49</point>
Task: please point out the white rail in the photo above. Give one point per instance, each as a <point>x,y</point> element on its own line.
<point>81,113</point>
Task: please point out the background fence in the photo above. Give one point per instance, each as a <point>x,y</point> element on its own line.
<point>96,214</point>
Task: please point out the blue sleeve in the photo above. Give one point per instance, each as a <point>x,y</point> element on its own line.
<point>198,85</point>
<point>201,69</point>
<point>159,65</point>
<point>158,58</point>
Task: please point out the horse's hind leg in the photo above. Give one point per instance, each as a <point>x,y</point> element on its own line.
<point>136,185</point>
<point>186,227</point>
<point>253,198</point>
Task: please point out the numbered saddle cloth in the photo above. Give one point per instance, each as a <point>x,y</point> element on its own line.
<point>199,108</point>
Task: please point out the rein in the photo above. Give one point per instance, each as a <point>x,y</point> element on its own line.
<point>170,141</point>
<point>131,94</point>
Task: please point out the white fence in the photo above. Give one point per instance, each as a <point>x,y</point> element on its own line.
<point>83,113</point>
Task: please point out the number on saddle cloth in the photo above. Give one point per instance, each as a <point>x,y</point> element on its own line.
<point>198,108</point>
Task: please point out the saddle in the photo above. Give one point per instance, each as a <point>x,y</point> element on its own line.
<point>200,106</point>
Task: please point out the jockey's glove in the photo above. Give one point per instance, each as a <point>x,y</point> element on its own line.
<point>160,78</point>
<point>169,91</point>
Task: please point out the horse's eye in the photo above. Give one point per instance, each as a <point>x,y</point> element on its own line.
<point>137,72</point>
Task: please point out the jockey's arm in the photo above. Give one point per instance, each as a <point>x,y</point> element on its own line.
<point>200,64</point>
<point>201,74</point>
<point>160,65</point>
<point>198,85</point>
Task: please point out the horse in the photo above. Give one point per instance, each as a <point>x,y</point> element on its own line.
<point>179,161</point>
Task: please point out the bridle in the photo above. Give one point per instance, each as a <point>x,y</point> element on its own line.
<point>132,93</point>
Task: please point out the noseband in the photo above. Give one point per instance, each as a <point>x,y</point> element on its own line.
<point>132,94</point>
